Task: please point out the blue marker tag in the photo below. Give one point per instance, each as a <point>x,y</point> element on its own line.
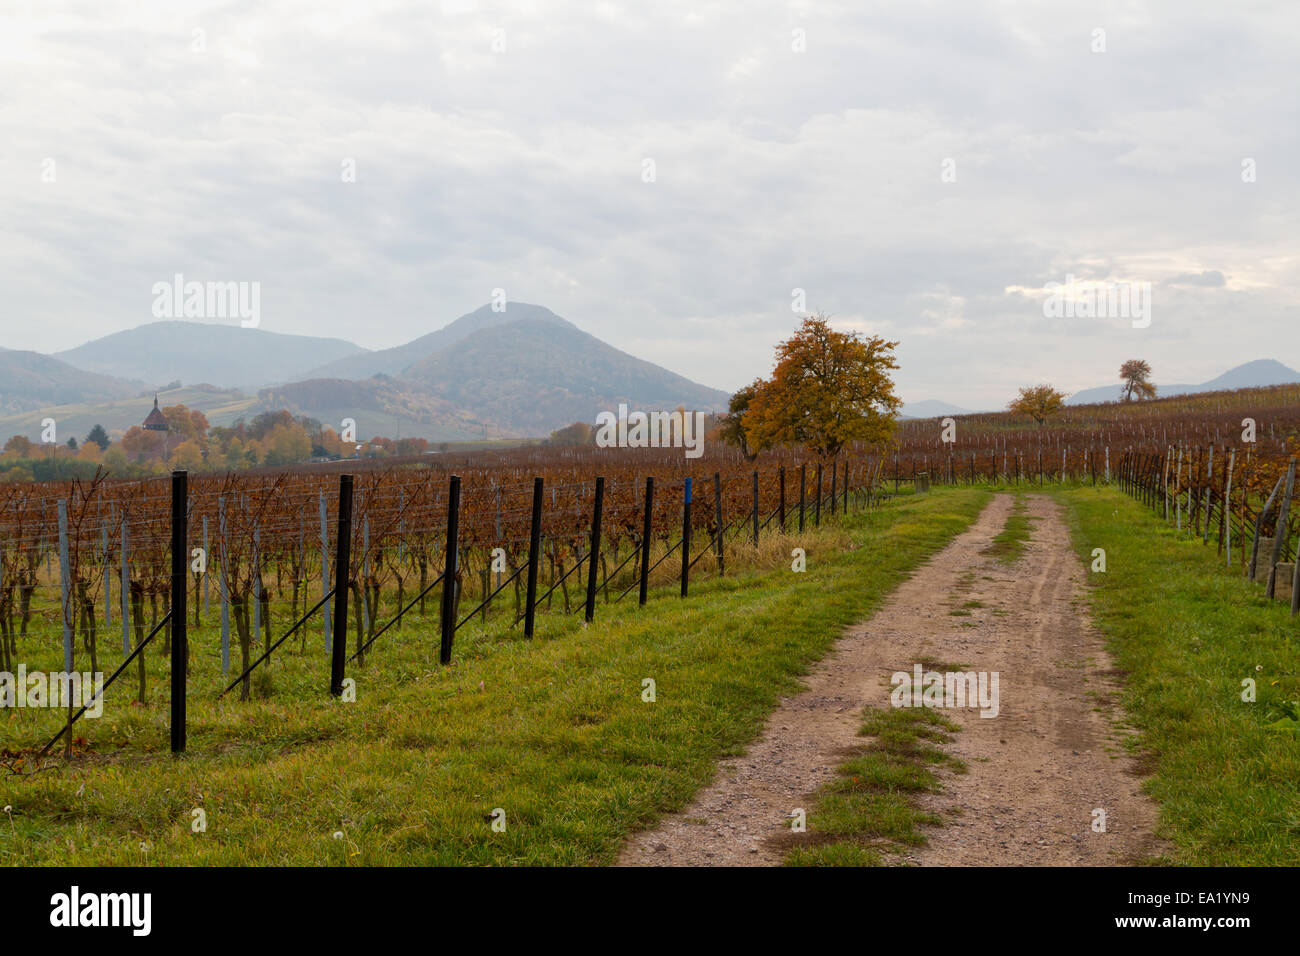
<point>688,491</point>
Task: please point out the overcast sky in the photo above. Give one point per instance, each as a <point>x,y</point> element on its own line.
<point>220,154</point>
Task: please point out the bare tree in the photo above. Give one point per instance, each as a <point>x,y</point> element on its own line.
<point>1136,374</point>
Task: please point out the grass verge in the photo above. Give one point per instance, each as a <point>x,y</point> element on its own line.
<point>1188,633</point>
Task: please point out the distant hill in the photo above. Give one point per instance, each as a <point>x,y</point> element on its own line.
<point>29,381</point>
<point>523,372</point>
<point>396,360</point>
<point>930,408</point>
<point>533,375</point>
<point>379,406</point>
<point>75,419</point>
<point>1250,375</point>
<point>226,356</point>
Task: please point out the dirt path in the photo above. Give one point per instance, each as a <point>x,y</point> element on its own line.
<point>1035,773</point>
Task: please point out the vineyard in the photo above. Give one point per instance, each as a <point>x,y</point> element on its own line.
<point>89,566</point>
<point>86,567</point>
<point>1218,457</point>
<point>1078,440</point>
<point>353,639</point>
<point>1206,509</point>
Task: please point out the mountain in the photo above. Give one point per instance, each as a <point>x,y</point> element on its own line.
<point>226,356</point>
<point>379,406</point>
<point>930,408</point>
<point>396,360</point>
<point>29,381</point>
<point>522,372</point>
<point>532,376</point>
<point>1250,375</point>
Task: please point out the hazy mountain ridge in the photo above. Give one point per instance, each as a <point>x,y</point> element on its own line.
<point>1253,374</point>
<point>226,356</point>
<point>396,360</point>
<point>532,376</point>
<point>30,381</point>
<point>1247,375</point>
<point>75,419</point>
<point>932,408</point>
<point>497,375</point>
<point>379,406</point>
<point>522,372</point>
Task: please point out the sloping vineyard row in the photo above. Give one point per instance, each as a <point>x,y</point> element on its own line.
<point>87,545</point>
<point>1199,419</point>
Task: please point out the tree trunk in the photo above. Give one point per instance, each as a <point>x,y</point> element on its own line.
<point>6,664</point>
<point>423,560</point>
<point>401,598</point>
<point>240,611</point>
<point>137,613</point>
<point>361,623</point>
<point>265,598</point>
<point>153,622</point>
<point>89,630</point>
<point>25,590</point>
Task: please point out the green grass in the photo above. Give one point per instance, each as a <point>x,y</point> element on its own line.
<point>870,810</point>
<point>553,731</point>
<point>1187,632</point>
<point>1008,545</point>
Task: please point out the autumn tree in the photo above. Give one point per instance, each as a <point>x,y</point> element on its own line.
<point>329,443</point>
<point>190,424</point>
<point>411,446</point>
<point>115,461</point>
<point>1039,402</point>
<point>1136,375</point>
<point>731,427</point>
<point>378,447</point>
<point>579,433</point>
<point>828,389</point>
<point>20,445</point>
<point>89,451</point>
<point>139,443</point>
<point>187,456</point>
<point>98,436</point>
<point>238,455</point>
<point>285,445</point>
<point>265,421</point>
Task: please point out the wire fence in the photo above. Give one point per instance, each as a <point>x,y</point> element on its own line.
<point>354,555</point>
<point>1202,503</point>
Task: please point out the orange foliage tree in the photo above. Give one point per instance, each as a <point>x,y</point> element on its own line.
<point>1039,402</point>
<point>828,389</point>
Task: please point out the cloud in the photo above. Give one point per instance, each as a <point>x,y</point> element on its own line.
<point>501,145</point>
<point>1212,278</point>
